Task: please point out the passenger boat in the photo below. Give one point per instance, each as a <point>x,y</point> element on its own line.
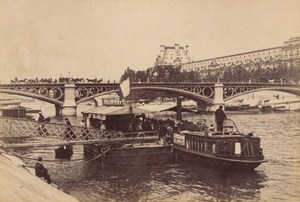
<point>144,147</point>
<point>228,150</point>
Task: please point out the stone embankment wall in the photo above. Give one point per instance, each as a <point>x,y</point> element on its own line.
<point>19,184</point>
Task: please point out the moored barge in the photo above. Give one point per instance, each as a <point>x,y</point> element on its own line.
<point>227,150</point>
<point>143,146</point>
<point>132,154</point>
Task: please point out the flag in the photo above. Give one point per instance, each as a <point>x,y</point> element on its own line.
<point>125,87</point>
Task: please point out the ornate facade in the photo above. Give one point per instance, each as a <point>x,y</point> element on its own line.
<point>172,55</point>
<point>268,58</point>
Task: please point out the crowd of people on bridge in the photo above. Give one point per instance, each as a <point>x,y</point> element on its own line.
<point>59,80</point>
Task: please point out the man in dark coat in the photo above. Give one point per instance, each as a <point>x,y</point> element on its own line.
<point>220,117</point>
<point>41,117</point>
<point>69,133</point>
<point>41,171</point>
<point>41,121</point>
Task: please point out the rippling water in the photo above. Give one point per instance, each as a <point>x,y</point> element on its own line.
<point>276,180</point>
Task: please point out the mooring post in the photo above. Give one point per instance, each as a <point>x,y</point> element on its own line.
<point>179,104</point>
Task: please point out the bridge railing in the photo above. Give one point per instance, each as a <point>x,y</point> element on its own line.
<point>10,127</point>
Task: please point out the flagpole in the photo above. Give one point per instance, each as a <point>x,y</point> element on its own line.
<point>131,119</point>
<point>125,91</point>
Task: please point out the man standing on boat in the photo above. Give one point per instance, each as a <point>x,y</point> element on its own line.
<point>220,116</point>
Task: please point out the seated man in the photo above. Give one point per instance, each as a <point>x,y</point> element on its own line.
<point>41,171</point>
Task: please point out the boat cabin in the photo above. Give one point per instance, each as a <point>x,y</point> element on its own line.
<point>228,149</point>
<point>118,118</point>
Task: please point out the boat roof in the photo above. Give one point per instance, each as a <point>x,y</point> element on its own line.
<point>13,107</point>
<point>114,110</point>
<point>125,110</point>
<point>155,108</point>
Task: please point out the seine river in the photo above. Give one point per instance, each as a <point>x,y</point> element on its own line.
<point>276,180</point>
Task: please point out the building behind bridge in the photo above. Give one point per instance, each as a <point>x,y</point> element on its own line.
<point>268,58</point>
<point>173,55</point>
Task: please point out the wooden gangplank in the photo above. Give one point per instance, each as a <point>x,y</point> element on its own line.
<point>124,140</point>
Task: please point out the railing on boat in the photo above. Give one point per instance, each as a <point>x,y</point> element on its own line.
<point>228,146</point>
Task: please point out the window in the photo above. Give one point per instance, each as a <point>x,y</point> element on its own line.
<point>213,148</point>
<point>206,146</point>
<point>237,148</point>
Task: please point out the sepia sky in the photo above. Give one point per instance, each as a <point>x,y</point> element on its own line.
<point>101,38</point>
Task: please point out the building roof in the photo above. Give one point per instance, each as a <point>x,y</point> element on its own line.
<point>104,111</point>
<point>233,55</point>
<point>114,110</point>
<point>157,107</point>
<point>13,107</point>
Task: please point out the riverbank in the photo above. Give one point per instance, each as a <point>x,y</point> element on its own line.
<point>19,183</point>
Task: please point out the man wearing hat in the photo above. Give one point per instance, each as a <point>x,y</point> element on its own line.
<point>41,121</point>
<point>41,117</point>
<point>41,171</point>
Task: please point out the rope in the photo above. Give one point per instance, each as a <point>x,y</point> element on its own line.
<point>29,158</point>
<point>234,125</point>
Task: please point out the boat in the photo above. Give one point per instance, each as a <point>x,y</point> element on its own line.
<point>242,107</point>
<point>281,108</point>
<point>131,154</point>
<point>266,108</point>
<point>227,150</point>
<point>144,146</point>
<point>64,152</point>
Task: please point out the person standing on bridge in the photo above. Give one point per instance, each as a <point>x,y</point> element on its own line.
<point>69,133</point>
<point>42,130</point>
<point>220,116</point>
<point>41,117</point>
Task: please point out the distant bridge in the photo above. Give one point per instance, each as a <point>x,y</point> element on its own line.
<point>66,96</point>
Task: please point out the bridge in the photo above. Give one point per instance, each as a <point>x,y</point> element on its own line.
<point>66,96</point>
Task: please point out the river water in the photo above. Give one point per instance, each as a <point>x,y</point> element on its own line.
<point>276,180</point>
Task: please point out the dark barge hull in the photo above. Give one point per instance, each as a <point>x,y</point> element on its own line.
<point>218,163</point>
<point>140,155</point>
